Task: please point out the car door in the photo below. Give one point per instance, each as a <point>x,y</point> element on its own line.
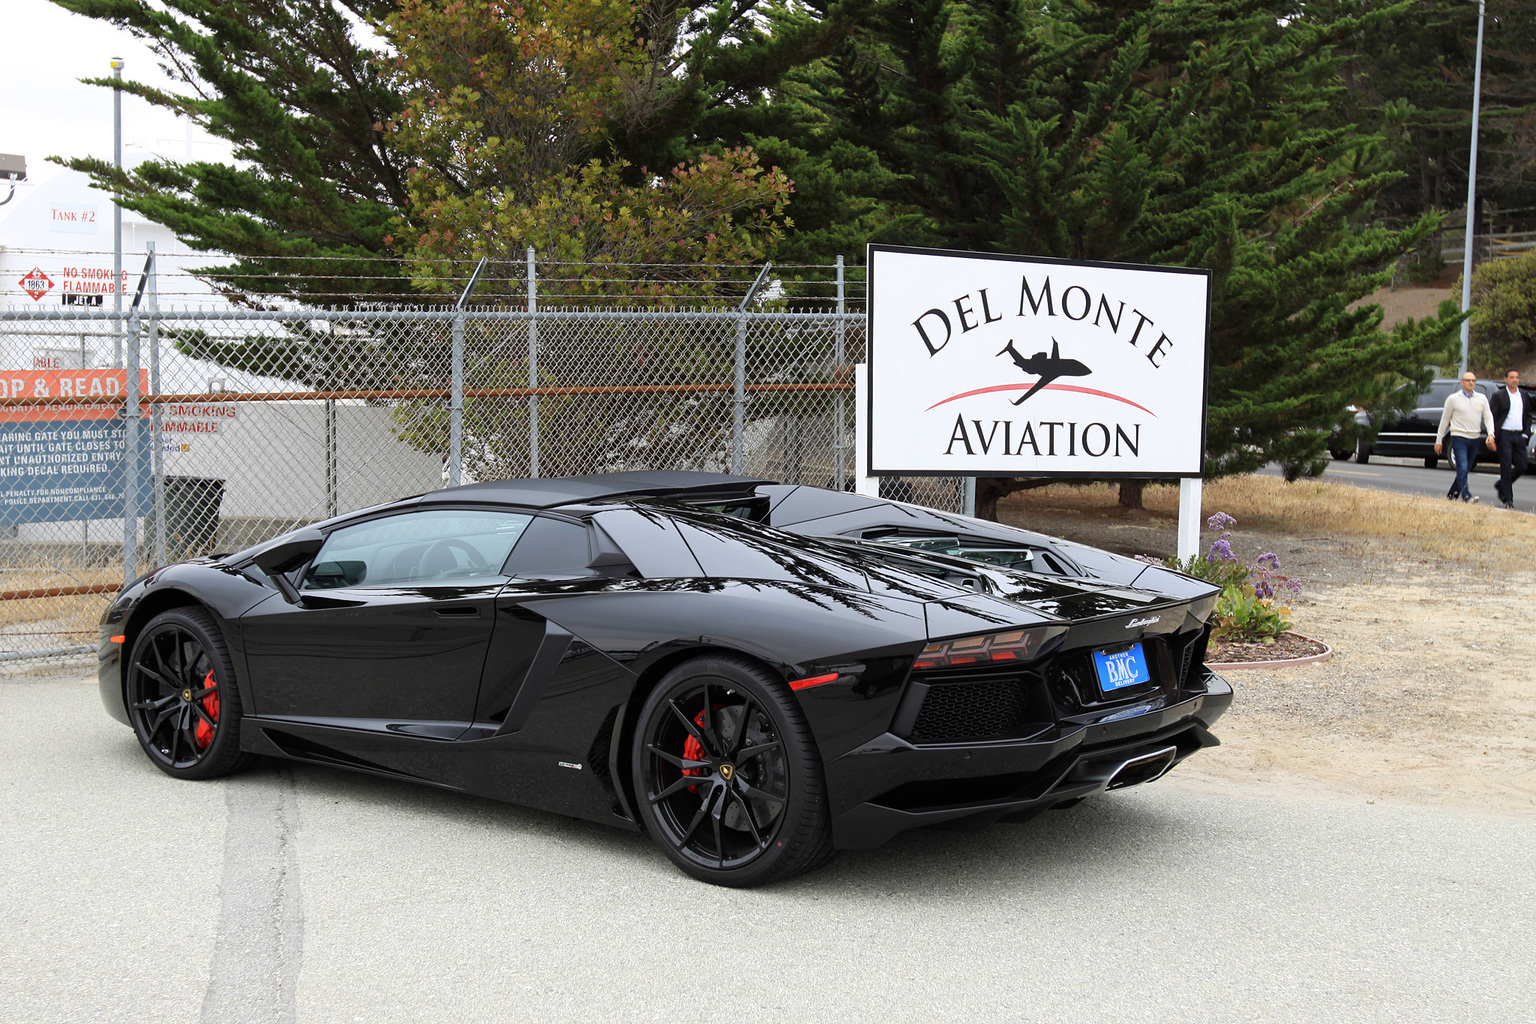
<point>391,628</point>
<point>550,563</point>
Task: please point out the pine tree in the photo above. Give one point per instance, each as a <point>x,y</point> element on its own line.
<point>1414,89</point>
<point>1196,134</point>
<point>301,98</point>
<point>316,205</point>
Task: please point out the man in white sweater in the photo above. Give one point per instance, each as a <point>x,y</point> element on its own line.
<point>1466,416</point>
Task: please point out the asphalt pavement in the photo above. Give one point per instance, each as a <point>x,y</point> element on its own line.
<point>1409,476</point>
<point>294,893</point>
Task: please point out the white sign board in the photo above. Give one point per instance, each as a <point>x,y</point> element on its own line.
<point>983,365</point>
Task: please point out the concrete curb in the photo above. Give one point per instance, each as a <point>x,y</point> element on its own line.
<point>1323,655</point>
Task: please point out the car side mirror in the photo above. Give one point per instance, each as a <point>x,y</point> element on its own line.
<point>287,555</point>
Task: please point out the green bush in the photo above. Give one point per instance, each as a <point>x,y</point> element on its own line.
<point>1503,324</point>
<point>1246,609</point>
<point>1243,615</point>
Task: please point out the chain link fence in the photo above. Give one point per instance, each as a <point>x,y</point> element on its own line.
<point>251,422</point>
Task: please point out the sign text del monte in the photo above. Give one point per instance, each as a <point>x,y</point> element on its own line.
<point>984,365</point>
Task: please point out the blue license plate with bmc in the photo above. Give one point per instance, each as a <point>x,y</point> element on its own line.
<point>1120,669</point>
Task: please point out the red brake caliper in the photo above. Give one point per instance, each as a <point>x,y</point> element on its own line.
<point>693,750</point>
<point>204,731</point>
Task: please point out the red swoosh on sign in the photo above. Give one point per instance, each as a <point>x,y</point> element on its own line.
<point>1048,387</point>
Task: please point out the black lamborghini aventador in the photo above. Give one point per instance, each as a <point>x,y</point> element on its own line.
<point>755,674</point>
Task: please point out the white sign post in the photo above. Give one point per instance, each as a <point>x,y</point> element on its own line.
<point>991,365</point>
<point>863,483</point>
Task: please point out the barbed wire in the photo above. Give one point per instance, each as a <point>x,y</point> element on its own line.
<point>747,268</point>
<point>305,282</point>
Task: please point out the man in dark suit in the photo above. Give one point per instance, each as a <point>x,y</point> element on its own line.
<point>1511,432</point>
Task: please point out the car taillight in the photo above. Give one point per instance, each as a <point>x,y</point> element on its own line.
<point>1014,645</point>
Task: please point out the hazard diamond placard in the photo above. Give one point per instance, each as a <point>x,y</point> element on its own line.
<point>36,284</point>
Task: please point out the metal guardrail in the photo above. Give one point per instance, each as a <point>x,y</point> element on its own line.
<point>1506,245</point>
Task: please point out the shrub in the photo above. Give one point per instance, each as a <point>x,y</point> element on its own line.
<point>1503,324</point>
<point>1246,609</point>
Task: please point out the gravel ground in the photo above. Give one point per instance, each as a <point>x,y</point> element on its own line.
<point>1430,697</point>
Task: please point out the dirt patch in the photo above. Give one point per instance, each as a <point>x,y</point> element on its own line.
<point>1430,696</point>
<point>1409,302</point>
<point>1418,301</point>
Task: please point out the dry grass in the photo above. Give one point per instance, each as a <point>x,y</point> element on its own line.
<point>49,621</point>
<point>1477,534</point>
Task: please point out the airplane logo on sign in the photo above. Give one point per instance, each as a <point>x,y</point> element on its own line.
<point>36,284</point>
<point>1047,367</point>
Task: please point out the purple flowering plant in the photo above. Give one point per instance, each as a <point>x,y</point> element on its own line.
<point>1218,565</point>
<point>1267,579</point>
<point>1247,608</point>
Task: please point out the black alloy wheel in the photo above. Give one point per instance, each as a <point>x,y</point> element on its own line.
<point>727,774</point>
<point>182,697</point>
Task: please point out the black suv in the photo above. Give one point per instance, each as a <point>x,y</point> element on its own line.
<point>1412,435</point>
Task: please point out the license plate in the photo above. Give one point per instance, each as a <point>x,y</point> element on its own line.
<point>1119,669</point>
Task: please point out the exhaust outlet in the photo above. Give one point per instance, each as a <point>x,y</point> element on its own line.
<point>1143,768</point>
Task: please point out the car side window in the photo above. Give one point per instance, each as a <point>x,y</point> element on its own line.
<point>416,547</point>
<point>550,549</point>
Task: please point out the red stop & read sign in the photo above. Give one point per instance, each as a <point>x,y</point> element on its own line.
<point>36,284</point>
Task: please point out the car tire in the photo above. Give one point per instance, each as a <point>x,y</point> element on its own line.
<point>1362,452</point>
<point>1339,454</point>
<point>181,696</point>
<point>758,812</point>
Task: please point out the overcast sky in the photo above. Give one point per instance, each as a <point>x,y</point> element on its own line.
<point>44,52</point>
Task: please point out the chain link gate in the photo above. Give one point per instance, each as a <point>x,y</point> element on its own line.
<point>253,422</point>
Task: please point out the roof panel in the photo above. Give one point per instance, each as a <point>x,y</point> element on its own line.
<point>568,490</point>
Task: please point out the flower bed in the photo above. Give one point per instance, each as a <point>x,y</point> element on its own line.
<point>1287,648</point>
